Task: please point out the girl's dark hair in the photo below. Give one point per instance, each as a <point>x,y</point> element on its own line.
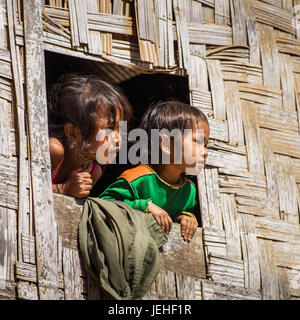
<point>172,114</point>
<point>80,100</point>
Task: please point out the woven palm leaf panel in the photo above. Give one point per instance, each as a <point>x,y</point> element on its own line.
<point>242,59</point>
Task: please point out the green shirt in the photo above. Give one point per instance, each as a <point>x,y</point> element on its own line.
<point>139,185</point>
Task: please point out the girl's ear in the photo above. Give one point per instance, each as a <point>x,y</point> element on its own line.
<point>72,133</point>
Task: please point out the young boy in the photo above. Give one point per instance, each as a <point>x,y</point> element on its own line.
<point>162,189</point>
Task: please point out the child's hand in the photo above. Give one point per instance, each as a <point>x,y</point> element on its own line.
<point>79,184</point>
<point>188,226</point>
<point>161,217</point>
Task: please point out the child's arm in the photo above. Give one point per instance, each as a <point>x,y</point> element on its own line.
<point>187,217</point>
<point>189,224</point>
<point>161,216</point>
<point>121,190</point>
<point>78,184</point>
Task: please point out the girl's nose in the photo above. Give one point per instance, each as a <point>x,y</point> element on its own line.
<point>118,138</point>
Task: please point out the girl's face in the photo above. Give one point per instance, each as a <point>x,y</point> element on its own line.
<point>107,140</point>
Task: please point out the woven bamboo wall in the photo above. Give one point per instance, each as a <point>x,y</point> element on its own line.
<point>242,58</point>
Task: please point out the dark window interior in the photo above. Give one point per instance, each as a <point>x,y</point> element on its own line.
<point>141,91</point>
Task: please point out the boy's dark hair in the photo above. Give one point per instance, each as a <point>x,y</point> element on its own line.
<point>80,99</point>
<point>172,114</point>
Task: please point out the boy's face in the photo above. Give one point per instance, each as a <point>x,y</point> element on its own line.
<point>194,152</point>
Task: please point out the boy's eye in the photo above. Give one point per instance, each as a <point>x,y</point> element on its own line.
<point>198,141</point>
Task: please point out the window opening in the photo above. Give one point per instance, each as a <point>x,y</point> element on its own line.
<point>141,90</point>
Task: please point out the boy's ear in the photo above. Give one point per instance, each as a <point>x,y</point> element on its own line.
<point>72,132</point>
<point>165,144</point>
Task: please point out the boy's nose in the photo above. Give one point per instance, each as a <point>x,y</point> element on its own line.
<point>205,155</point>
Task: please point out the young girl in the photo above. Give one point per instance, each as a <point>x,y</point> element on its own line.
<point>162,189</point>
<point>79,106</point>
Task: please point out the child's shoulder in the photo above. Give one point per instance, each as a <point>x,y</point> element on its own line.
<point>57,151</point>
<point>136,172</point>
<point>190,182</point>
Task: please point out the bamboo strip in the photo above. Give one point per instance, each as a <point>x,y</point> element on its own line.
<point>221,12</point>
<point>198,71</point>
<point>277,119</point>
<point>278,230</point>
<point>105,7</point>
<point>213,199</point>
<point>271,174</point>
<point>209,3</point>
<point>261,94</point>
<point>283,257</point>
<point>251,260</point>
<point>288,192</point>
<point>217,88</point>
<point>171,52</point>
<point>238,18</point>
<point>5,137</point>
<point>3,44</point>
<point>269,56</point>
<point>73,24</point>
<point>297,93</point>
<point>202,99</point>
<point>8,253</point>
<point>231,227</point>
<point>95,44</point>
<point>188,288</point>
<point>268,271</point>
<point>26,272</point>
<point>273,16</point>
<point>226,160</point>
<point>45,225</point>
<point>252,32</point>
<point>71,265</point>
<point>218,291</point>
<point>243,182</point>
<point>19,96</point>
<point>182,35</point>
<point>209,34</point>
<point>287,83</point>
<point>283,143</point>
<point>27,291</point>
<point>229,147</point>
<point>234,113</point>
<point>288,46</point>
<point>118,7</point>
<point>255,161</point>
<point>195,11</point>
<point>283,283</point>
<point>218,129</point>
<point>28,249</point>
<point>161,14</point>
<point>203,203</point>
<point>81,20</point>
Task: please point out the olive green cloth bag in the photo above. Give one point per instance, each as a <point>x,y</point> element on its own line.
<point>120,248</point>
